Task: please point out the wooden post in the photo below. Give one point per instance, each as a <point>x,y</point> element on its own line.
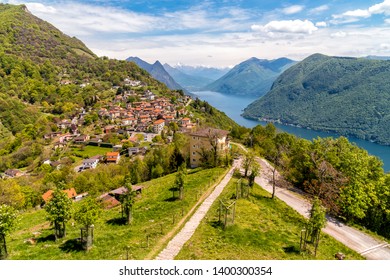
<point>301,243</point>
<point>162,232</point>
<point>317,242</point>
<point>226,215</point>
<point>127,252</point>
<point>234,211</point>
<point>305,240</point>
<point>220,211</point>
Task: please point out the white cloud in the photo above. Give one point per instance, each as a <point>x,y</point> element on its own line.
<point>292,9</point>
<point>387,21</point>
<point>81,19</point>
<point>286,26</point>
<point>385,46</point>
<point>39,7</point>
<point>357,13</point>
<point>381,8</point>
<point>321,24</point>
<point>339,34</point>
<point>319,9</point>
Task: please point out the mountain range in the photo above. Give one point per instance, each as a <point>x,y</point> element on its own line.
<point>346,95</point>
<point>157,71</point>
<point>253,77</point>
<point>194,78</point>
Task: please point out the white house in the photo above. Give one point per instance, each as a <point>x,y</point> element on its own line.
<point>90,163</point>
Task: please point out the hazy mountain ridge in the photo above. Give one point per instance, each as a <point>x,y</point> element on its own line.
<point>158,72</point>
<point>346,95</point>
<point>208,72</point>
<point>190,82</point>
<point>251,77</point>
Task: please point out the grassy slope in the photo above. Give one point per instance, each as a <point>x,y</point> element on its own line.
<point>28,36</point>
<point>264,229</point>
<point>151,211</point>
<point>90,151</point>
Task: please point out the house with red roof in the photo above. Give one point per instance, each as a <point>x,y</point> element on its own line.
<point>158,126</point>
<point>71,193</point>
<point>113,157</point>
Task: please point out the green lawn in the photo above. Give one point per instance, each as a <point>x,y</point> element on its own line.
<point>155,214</point>
<point>263,229</point>
<point>90,151</point>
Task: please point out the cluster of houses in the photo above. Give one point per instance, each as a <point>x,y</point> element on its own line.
<point>109,199</point>
<point>148,115</point>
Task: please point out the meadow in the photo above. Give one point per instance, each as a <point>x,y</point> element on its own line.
<point>156,217</point>
<point>263,229</point>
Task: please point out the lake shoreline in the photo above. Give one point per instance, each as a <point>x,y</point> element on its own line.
<point>314,129</point>
<point>233,107</point>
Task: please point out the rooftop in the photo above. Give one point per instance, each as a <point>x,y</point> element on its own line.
<point>206,132</point>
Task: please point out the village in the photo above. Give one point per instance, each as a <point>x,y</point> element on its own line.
<point>135,122</point>
<point>135,116</point>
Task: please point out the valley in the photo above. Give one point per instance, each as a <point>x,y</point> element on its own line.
<point>107,159</point>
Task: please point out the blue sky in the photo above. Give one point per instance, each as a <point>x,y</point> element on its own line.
<point>221,32</point>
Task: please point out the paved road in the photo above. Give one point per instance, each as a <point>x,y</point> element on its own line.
<point>175,245</point>
<point>364,244</point>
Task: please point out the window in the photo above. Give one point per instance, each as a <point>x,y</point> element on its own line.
<point>193,153</point>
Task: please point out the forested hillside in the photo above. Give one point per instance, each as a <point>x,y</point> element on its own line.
<point>252,77</point>
<point>349,96</point>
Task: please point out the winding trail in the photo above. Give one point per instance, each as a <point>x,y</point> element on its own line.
<point>175,245</point>
<point>358,241</point>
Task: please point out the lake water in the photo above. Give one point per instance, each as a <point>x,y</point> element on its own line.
<point>234,105</point>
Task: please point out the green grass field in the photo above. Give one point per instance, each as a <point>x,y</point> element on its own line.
<point>263,229</point>
<point>155,215</point>
<point>90,151</point>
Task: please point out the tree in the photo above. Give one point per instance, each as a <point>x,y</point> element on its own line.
<point>317,218</point>
<point>278,154</point>
<point>8,217</point>
<point>254,172</point>
<point>316,222</point>
<point>247,163</point>
<point>87,214</point>
<point>11,194</point>
<point>128,200</point>
<point>59,211</point>
<point>180,180</point>
<point>325,182</point>
<point>138,171</point>
<point>211,156</point>
<point>214,137</point>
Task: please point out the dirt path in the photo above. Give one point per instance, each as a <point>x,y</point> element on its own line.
<point>175,245</point>
<point>362,243</point>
